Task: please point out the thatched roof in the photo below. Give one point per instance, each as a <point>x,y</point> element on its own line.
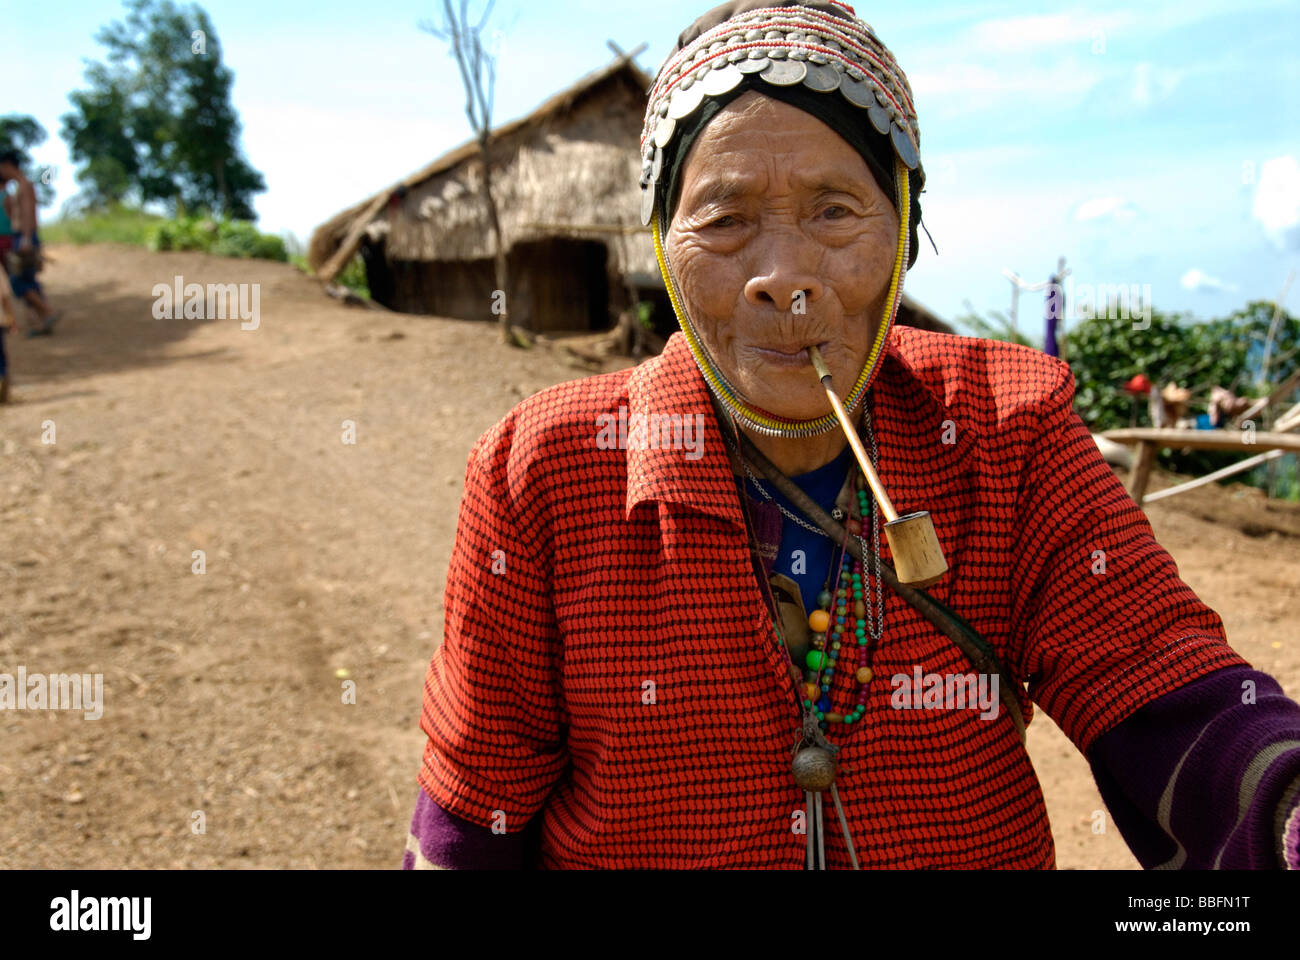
<point>569,168</point>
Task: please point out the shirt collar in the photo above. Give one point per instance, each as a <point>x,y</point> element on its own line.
<point>662,394</point>
<point>913,409</point>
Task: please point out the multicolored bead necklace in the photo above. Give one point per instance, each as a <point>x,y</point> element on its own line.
<point>856,622</point>
<point>859,619</point>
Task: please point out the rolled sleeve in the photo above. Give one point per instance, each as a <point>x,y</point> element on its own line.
<point>493,705</point>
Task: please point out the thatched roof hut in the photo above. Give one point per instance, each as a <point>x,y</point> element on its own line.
<point>565,178</point>
<point>565,181</point>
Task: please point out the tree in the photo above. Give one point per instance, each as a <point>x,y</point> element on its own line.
<point>157,123</point>
<point>21,133</point>
<point>478,73</point>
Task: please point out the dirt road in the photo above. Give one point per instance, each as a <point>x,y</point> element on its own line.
<point>224,689</point>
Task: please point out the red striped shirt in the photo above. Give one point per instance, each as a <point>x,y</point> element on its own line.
<point>620,677</point>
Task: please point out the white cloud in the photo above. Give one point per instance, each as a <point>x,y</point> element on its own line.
<point>1277,202</point>
<point>1114,208</point>
<point>1200,282</point>
<point>1034,33</point>
<point>1142,84</point>
<point>959,88</point>
<point>1152,84</point>
<point>1075,27</point>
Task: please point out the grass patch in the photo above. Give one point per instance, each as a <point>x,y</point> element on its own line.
<point>223,238</point>
<point>114,225</point>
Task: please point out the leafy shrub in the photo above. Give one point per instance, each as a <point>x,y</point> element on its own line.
<point>222,238</point>
<point>1105,353</point>
<point>353,276</point>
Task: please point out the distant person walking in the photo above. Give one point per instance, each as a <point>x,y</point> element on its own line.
<point>26,244</point>
<point>6,222</point>
<point>8,306</point>
<point>7,323</point>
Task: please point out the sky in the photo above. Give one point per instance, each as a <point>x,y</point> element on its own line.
<point>1154,146</point>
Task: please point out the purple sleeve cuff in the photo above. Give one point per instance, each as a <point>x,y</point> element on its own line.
<point>441,840</point>
<point>1291,832</point>
<point>1207,777</point>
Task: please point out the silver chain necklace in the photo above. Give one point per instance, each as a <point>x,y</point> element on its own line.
<point>784,512</point>
<point>876,614</point>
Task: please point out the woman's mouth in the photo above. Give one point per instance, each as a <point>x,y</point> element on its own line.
<point>789,355</point>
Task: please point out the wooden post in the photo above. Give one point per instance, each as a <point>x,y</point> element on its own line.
<point>348,248</point>
<point>1141,476</point>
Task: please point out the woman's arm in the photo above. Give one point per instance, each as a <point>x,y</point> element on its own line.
<point>441,840</point>
<point>1196,753</point>
<point>1207,777</point>
<point>494,708</point>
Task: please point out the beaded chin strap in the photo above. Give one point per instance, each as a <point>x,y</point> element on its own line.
<point>783,46</point>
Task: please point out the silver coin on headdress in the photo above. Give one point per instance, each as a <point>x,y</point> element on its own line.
<point>657,165</point>
<point>647,204</point>
<point>822,78</point>
<point>785,73</point>
<point>879,118</point>
<point>906,152</point>
<point>721,81</point>
<point>685,101</point>
<point>664,132</point>
<point>753,65</point>
<point>858,92</point>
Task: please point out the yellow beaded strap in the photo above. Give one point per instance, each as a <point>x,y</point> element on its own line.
<point>760,420</point>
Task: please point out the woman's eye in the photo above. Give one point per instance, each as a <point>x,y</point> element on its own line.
<point>835,212</point>
<point>724,221</point>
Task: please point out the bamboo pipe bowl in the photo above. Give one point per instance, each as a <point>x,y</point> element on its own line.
<point>918,557</point>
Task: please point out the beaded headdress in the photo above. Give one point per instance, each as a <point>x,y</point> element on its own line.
<point>818,46</point>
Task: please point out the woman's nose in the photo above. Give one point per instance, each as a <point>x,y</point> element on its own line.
<point>782,276</point>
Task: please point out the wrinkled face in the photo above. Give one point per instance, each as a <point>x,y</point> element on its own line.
<point>774,202</point>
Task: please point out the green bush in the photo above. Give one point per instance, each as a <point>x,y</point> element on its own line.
<point>1105,353</point>
<point>184,233</point>
<point>353,276</point>
<point>223,238</point>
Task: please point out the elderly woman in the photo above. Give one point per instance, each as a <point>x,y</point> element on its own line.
<point>663,655</point>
